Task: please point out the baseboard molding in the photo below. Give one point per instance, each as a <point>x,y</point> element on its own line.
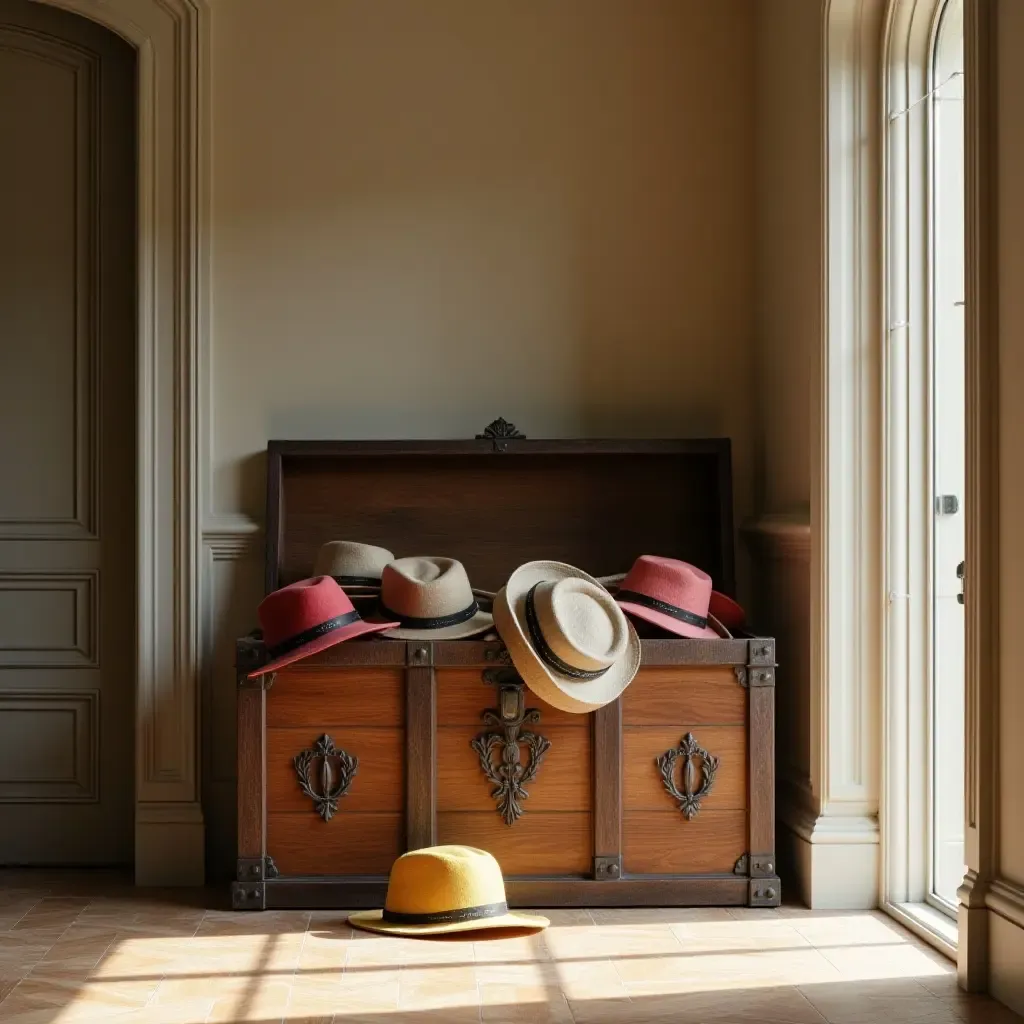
<point>169,845</point>
<point>1006,956</point>
<point>1006,898</point>
<point>834,860</point>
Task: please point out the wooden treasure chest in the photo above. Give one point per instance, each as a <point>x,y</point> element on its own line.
<point>374,747</point>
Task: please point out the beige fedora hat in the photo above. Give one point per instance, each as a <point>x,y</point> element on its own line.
<point>431,598</point>
<point>355,567</point>
<point>568,639</point>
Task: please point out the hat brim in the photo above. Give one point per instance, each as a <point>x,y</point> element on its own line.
<point>480,623</point>
<point>559,691</point>
<point>668,622</point>
<point>729,612</point>
<point>321,643</point>
<point>373,921</point>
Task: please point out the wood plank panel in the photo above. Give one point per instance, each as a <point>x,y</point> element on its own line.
<point>704,695</point>
<point>665,843</point>
<point>251,773</point>
<point>357,696</point>
<point>379,784</point>
<point>462,697</point>
<point>550,500</point>
<point>348,844</point>
<point>644,790</point>
<point>762,770</point>
<point>608,787</point>
<point>537,844</point>
<point>421,758</point>
<point>563,781</point>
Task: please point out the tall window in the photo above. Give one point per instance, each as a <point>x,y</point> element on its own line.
<point>923,446</point>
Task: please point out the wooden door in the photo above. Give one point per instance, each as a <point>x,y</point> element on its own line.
<point>67,439</point>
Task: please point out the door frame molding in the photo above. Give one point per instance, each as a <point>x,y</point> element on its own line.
<point>171,41</point>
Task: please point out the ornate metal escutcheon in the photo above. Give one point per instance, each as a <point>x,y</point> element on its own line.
<point>509,775</point>
<point>327,784</point>
<point>691,794</point>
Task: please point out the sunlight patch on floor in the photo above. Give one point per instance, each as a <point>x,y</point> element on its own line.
<point>63,961</point>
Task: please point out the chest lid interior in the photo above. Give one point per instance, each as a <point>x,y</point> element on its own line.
<point>500,500</point>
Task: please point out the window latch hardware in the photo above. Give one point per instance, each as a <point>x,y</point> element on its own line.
<point>947,505</point>
<point>960,577</point>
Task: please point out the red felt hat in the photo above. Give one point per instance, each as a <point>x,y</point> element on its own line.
<point>729,613</point>
<point>671,594</point>
<point>306,617</point>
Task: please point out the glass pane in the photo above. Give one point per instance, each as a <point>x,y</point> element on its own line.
<point>948,458</point>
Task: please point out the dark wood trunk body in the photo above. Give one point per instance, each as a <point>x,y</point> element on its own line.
<point>598,825</point>
<point>599,828</point>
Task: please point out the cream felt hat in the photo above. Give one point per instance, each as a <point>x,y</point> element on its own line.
<point>431,599</point>
<point>444,889</point>
<point>566,636</point>
<point>356,567</point>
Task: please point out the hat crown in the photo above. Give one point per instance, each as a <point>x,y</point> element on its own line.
<point>299,607</point>
<point>423,586</point>
<point>581,623</point>
<point>442,879</point>
<point>670,580</point>
<point>351,558</point>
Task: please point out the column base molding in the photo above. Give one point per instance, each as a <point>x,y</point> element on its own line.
<point>169,845</point>
<point>835,858</point>
<point>991,922</point>
<point>1006,950</point>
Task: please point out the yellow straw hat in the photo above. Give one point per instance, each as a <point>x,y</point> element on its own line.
<point>441,890</point>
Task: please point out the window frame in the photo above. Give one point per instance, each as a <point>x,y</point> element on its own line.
<point>908,191</point>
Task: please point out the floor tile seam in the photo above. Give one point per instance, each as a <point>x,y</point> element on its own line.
<point>295,969</point>
<point>27,912</point>
<point>163,977</point>
<point>806,999</point>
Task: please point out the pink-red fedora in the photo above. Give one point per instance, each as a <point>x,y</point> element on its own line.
<point>306,617</point>
<point>668,593</point>
<point>729,613</point>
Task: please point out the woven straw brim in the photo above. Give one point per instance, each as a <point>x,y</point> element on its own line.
<point>559,691</point>
<point>373,921</point>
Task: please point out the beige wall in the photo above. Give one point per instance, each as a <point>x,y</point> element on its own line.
<point>427,215</point>
<point>788,69</point>
<point>1006,936</point>
<point>789,246</point>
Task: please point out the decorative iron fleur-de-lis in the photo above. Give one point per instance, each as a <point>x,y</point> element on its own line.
<point>509,775</point>
<point>692,792</point>
<point>500,429</point>
<point>325,802</point>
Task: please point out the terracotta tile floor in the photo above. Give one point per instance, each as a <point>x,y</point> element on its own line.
<point>76,949</point>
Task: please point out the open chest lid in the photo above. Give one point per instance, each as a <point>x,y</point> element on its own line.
<point>500,500</point>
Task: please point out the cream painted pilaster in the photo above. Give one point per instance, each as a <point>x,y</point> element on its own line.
<point>834,830</point>
<point>981,584</point>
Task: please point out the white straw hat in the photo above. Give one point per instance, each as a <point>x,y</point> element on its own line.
<point>566,636</point>
<point>432,599</point>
